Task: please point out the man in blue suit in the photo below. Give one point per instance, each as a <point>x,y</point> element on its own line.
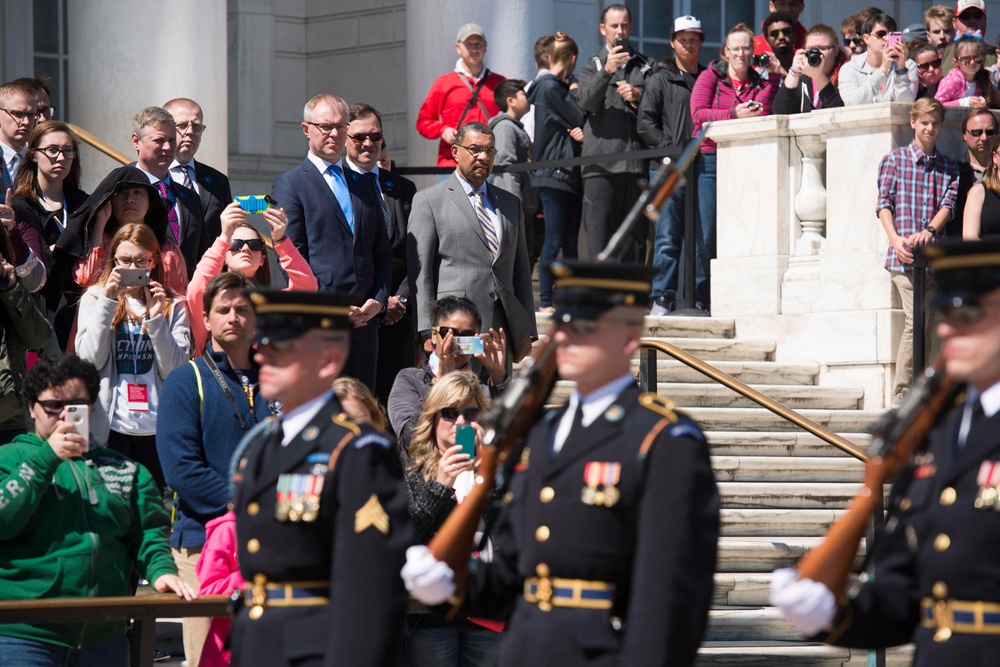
<point>335,222</point>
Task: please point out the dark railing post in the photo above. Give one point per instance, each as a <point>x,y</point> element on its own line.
<point>690,243</point>
<point>919,314</point>
<point>876,526</point>
<point>143,640</point>
<point>647,370</point>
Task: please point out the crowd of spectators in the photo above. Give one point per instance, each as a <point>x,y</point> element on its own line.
<point>146,278</point>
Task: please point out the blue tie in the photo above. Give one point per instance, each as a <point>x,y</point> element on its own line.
<point>6,182</point>
<point>342,194</point>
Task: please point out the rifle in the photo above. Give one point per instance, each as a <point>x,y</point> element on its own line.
<point>510,416</point>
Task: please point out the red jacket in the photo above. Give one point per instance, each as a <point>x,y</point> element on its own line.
<point>444,104</point>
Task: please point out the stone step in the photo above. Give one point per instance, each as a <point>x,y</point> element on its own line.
<point>786,469</point>
<point>749,623</point>
<point>778,443</point>
<point>754,419</point>
<point>750,372</point>
<point>777,522</point>
<point>775,654</point>
<point>725,349</point>
<point>764,554</point>
<point>787,495</point>
<point>712,395</point>
<point>741,589</point>
<point>676,327</point>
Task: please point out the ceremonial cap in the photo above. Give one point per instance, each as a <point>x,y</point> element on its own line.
<point>285,314</point>
<point>963,271</point>
<point>587,289</point>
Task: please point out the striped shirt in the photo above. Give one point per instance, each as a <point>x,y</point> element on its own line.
<point>714,98</point>
<point>914,186</point>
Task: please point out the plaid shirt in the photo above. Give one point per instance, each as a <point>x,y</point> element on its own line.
<point>914,187</point>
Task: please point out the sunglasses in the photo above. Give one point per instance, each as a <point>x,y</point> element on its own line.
<point>452,414</point>
<point>880,34</point>
<point>359,139</point>
<point>979,133</point>
<point>54,407</point>
<point>255,245</point>
<point>968,60</point>
<point>933,64</point>
<point>787,32</point>
<point>852,40</point>
<point>443,331</point>
<point>578,325</point>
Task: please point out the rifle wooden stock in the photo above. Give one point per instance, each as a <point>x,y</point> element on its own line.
<point>674,180</point>
<point>900,436</point>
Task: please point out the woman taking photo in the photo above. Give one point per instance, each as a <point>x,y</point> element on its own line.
<point>728,88</point>
<point>135,335</point>
<point>807,86</point>
<point>241,248</point>
<point>981,218</point>
<point>558,134</point>
<point>439,477</point>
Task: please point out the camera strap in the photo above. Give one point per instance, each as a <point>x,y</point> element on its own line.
<point>212,366</point>
<point>475,96</point>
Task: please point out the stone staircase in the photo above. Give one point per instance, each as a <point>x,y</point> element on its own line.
<point>781,487</point>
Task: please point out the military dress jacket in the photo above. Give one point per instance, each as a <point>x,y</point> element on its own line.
<point>325,514</point>
<point>630,501</point>
<point>942,548</point>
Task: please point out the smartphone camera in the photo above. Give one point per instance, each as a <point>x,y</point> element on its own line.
<point>763,60</point>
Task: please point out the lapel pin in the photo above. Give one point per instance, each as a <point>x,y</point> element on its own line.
<point>310,433</point>
<point>614,413</point>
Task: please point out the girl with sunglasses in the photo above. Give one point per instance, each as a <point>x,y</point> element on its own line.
<point>438,479</point>
<point>240,247</point>
<point>968,83</point>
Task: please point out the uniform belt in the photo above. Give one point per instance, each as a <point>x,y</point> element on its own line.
<point>553,592</point>
<point>948,616</point>
<point>296,593</point>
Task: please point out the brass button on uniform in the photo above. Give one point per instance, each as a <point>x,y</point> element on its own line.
<point>253,546</point>
<point>542,533</point>
<point>547,494</point>
<point>942,542</point>
<point>252,509</point>
<point>948,496</point>
<point>542,570</point>
<point>939,590</point>
<point>904,504</point>
<point>942,634</point>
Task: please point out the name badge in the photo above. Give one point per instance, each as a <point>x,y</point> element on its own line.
<point>138,397</point>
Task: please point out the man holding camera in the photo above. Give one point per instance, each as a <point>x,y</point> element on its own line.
<point>611,85</point>
<point>808,84</point>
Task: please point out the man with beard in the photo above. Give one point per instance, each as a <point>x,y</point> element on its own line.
<point>779,29</point>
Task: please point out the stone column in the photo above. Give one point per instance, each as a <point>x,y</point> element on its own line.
<point>511,29</point>
<point>810,202</point>
<point>127,55</point>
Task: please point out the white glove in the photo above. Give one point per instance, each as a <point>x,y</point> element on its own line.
<point>426,578</point>
<point>807,605</point>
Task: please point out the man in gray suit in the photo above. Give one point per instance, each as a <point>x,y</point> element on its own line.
<point>466,238</point>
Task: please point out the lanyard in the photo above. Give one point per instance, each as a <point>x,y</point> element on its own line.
<point>133,344</point>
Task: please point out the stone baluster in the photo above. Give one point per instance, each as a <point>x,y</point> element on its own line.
<point>810,200</point>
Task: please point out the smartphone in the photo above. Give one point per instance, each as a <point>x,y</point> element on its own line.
<point>469,344</point>
<point>622,41</point>
<point>754,104</point>
<point>255,203</point>
<point>79,416</point>
<point>465,437</point>
<point>894,38</point>
<point>134,277</point>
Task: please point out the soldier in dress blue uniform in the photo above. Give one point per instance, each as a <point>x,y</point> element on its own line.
<point>607,538</point>
<point>320,505</point>
<point>937,572</point>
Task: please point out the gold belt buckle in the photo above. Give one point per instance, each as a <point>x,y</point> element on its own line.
<point>543,591</point>
<point>942,618</point>
<point>258,596</point>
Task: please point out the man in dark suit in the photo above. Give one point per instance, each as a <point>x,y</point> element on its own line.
<point>154,137</point>
<point>467,239</point>
<point>210,183</point>
<point>335,221</point>
<point>397,334</point>
<point>320,505</point>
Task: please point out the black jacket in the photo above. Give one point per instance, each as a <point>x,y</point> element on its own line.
<point>556,112</point>
<point>664,116</point>
<point>800,99</point>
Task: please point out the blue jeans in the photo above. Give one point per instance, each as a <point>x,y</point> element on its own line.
<point>17,652</point>
<point>452,647</point>
<point>563,210</point>
<point>704,170</point>
<point>667,247</point>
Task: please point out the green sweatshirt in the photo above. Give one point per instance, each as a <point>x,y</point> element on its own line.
<point>76,528</point>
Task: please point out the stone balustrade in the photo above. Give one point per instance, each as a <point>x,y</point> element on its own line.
<point>800,250</point>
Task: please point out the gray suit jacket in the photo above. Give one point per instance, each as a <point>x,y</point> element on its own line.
<point>448,255</point>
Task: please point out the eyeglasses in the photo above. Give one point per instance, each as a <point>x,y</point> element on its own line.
<point>933,64</point>
<point>54,151</point>
<point>979,133</point>
<point>880,34</point>
<point>476,151</point>
<point>787,32</point>
<point>452,414</point>
<point>21,116</point>
<point>443,331</point>
<point>45,113</point>
<point>327,128</point>
<point>852,40</point>
<point>740,49</point>
<point>969,60</point>
<point>255,245</point>
<point>197,128</point>
<point>137,262</point>
<point>359,139</point>
<point>54,407</point>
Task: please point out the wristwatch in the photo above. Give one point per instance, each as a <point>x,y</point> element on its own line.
<point>930,228</point>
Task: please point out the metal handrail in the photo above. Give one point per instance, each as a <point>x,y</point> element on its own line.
<point>105,148</point>
<point>747,391</point>
<point>143,609</point>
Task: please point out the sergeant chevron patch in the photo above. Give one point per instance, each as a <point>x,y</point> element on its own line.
<point>371,515</point>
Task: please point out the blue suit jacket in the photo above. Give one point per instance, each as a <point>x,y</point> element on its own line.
<point>359,265</point>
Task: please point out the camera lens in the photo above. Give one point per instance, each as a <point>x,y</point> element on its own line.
<point>814,57</point>
<point>762,60</point>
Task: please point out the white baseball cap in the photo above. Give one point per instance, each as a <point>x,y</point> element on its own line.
<point>963,5</point>
<point>468,30</point>
<point>687,24</point>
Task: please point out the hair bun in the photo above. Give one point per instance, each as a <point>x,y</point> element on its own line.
<point>561,36</point>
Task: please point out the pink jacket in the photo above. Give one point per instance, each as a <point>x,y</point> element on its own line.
<point>300,277</point>
<point>951,90</point>
<point>219,574</point>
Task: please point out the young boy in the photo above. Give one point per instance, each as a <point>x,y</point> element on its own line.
<point>514,147</point>
<point>917,187</point>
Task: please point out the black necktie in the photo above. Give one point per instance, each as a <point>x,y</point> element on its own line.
<point>272,446</point>
<point>574,429</point>
<point>976,417</point>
